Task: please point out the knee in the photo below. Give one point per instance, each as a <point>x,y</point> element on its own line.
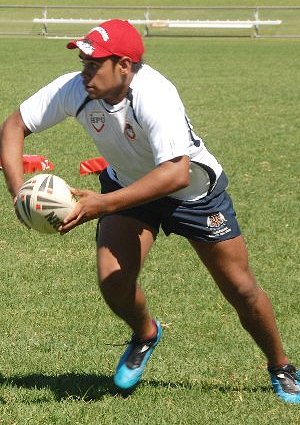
<point>110,281</point>
<point>117,285</point>
<point>248,293</point>
<point>243,291</point>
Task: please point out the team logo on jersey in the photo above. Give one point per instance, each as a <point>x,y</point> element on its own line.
<point>129,132</point>
<point>215,220</point>
<point>97,120</point>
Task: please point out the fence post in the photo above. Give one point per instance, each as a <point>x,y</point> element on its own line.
<point>256,18</point>
<point>147,17</point>
<point>45,27</point>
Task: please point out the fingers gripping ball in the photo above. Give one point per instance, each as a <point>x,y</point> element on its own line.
<point>44,201</point>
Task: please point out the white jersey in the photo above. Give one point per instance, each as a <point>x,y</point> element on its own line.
<point>145,129</point>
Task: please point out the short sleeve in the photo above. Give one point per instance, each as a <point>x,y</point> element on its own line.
<point>53,103</point>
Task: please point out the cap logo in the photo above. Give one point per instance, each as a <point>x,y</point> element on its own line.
<point>85,47</point>
<point>102,32</point>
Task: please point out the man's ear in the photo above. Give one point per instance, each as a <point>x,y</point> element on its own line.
<point>126,64</point>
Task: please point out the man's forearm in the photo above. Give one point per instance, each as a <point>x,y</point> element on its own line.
<point>11,152</point>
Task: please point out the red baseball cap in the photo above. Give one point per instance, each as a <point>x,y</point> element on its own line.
<point>114,37</point>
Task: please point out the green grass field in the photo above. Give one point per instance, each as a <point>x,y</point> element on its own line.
<point>59,342</point>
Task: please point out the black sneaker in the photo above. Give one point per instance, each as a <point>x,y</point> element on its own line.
<point>286,383</point>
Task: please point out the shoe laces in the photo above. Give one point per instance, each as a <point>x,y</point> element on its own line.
<point>288,378</point>
<point>139,348</point>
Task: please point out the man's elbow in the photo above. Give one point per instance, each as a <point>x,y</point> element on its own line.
<point>183,181</point>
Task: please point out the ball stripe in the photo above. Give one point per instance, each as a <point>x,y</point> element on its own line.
<point>43,186</point>
<point>25,203</point>
<point>51,201</point>
<point>50,207</point>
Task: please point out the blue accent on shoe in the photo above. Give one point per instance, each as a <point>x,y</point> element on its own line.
<point>286,383</point>
<point>128,374</point>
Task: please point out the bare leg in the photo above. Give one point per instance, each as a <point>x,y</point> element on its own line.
<point>227,262</point>
<point>123,245</point>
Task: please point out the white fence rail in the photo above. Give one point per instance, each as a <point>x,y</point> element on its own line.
<point>167,23</point>
<point>72,21</point>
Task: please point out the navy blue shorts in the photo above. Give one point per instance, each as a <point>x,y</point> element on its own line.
<point>211,219</point>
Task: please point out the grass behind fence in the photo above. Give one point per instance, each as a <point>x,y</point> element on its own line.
<point>58,339</point>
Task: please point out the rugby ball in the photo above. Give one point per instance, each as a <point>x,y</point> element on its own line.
<point>44,201</point>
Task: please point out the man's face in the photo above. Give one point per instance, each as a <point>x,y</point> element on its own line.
<point>104,78</point>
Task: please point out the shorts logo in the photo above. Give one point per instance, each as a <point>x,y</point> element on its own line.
<point>97,120</point>
<point>129,132</point>
<point>215,220</point>
<point>217,225</point>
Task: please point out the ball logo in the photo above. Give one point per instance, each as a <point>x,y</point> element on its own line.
<point>129,132</point>
<point>53,220</point>
<point>97,120</point>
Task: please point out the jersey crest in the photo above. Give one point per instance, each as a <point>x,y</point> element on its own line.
<point>129,132</point>
<point>97,120</point>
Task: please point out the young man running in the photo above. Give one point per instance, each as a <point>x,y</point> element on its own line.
<point>161,175</point>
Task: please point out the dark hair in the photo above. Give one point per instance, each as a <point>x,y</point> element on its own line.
<point>136,66</point>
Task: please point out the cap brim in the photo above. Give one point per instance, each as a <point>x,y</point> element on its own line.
<point>89,48</point>
<point>72,44</point>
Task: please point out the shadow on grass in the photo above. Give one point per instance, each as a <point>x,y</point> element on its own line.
<point>207,387</point>
<point>67,386</point>
<point>93,387</point>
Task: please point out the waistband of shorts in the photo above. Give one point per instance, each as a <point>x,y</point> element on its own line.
<point>220,187</point>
